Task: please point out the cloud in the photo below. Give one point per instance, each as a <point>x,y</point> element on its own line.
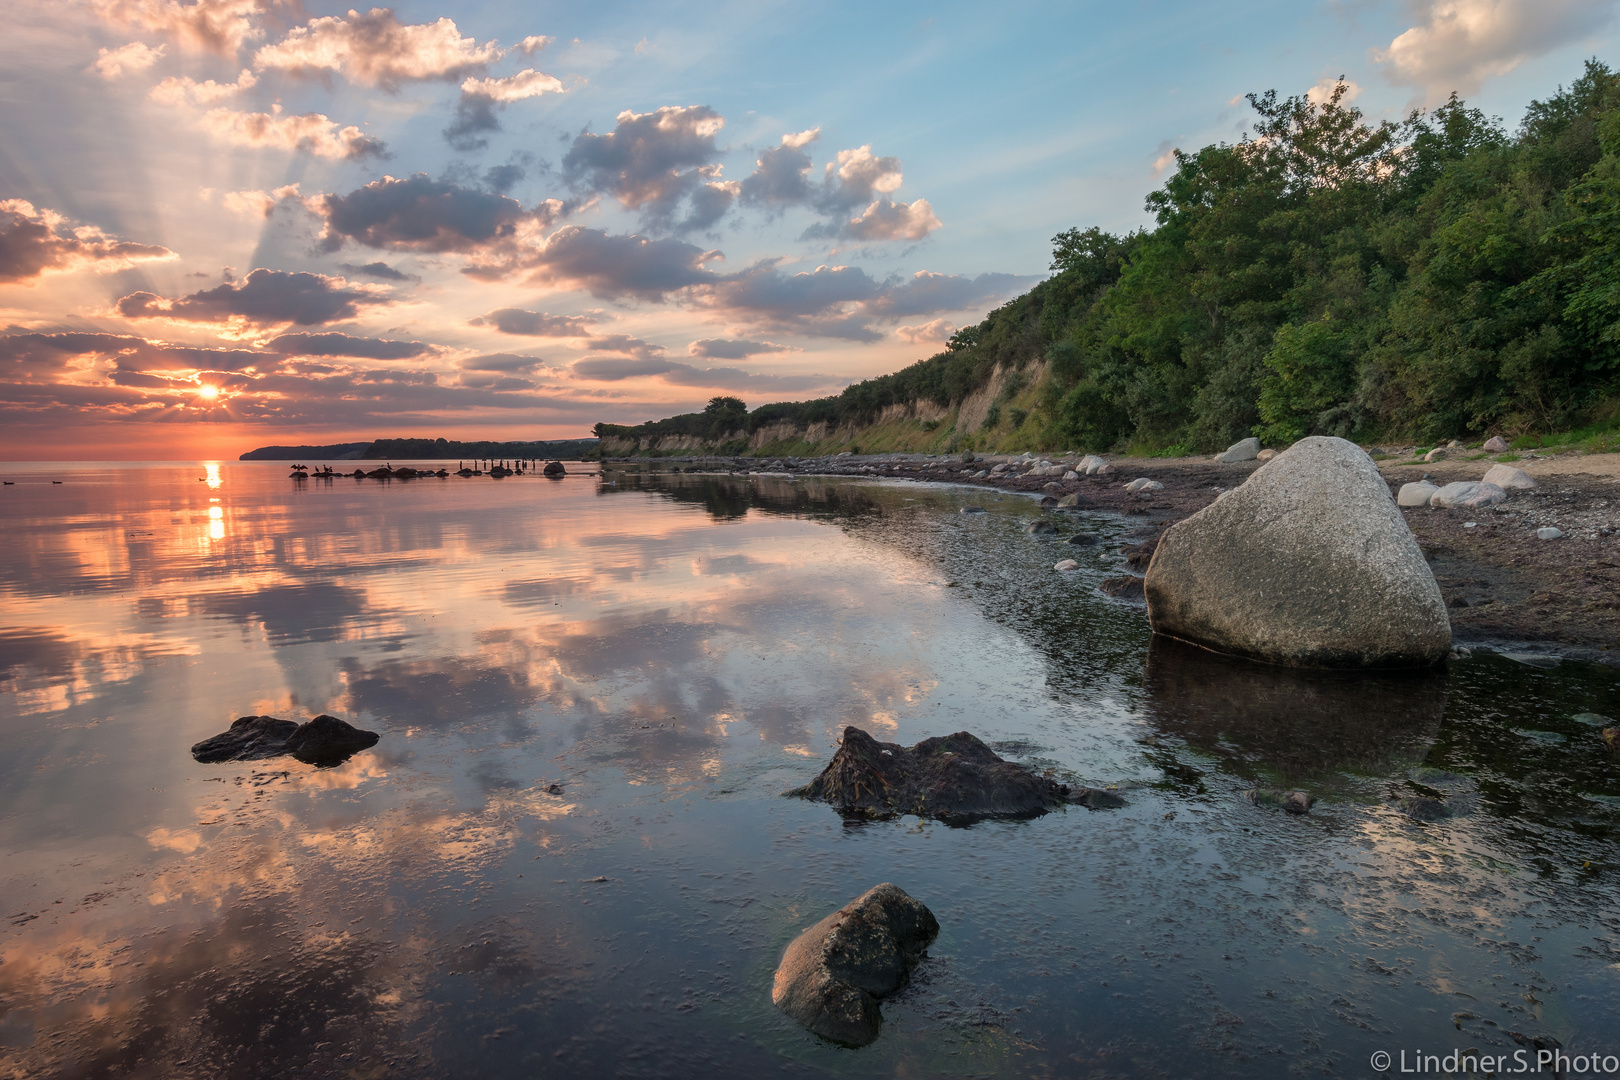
<point>1322,92</point>
<point>333,344</point>
<point>527,83</point>
<point>178,89</point>
<point>507,362</point>
<point>858,177</point>
<point>535,323</point>
<point>733,348</point>
<point>610,266</point>
<point>926,333</point>
<point>261,203</point>
<point>1458,44</point>
<point>482,98</point>
<point>781,174</point>
<point>422,214</point>
<point>33,357</point>
<point>379,270</point>
<point>652,161</point>
<point>376,49</point>
<point>533,44</point>
<point>312,133</point>
<point>136,56</point>
<point>617,369</point>
<point>927,292</point>
<point>885,220</point>
<point>220,26</point>
<point>624,343</point>
<point>265,298</point>
<point>37,242</point>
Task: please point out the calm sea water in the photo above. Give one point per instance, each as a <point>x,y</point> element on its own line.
<point>671,652</point>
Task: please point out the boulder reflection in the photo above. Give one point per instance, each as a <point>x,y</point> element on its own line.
<point>1296,724</point>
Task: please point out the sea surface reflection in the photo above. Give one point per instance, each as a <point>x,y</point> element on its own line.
<point>569,854</point>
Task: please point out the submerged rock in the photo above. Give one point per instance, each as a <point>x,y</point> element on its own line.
<point>325,740</point>
<point>833,974</point>
<point>1294,802</point>
<point>1082,540</point>
<point>955,778</point>
<point>1040,528</point>
<point>1423,808</point>
<point>1124,587</point>
<point>1309,564</point>
<point>1068,502</point>
<point>972,510</point>
<point>1611,739</point>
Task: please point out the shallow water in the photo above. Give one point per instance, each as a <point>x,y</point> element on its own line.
<point>672,652</point>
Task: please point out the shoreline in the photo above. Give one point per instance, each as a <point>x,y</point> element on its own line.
<point>1502,585</point>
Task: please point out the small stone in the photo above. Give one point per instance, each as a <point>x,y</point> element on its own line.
<point>1067,564</point>
<point>1053,487</point>
<point>1457,601</point>
<point>981,474</point>
<point>1417,493</point>
<point>1467,494</point>
<point>972,510</point>
<point>1266,455</point>
<point>554,789</point>
<point>1294,802</point>
<point>1069,502</point>
<point>1496,445</point>
<point>833,974</point>
<point>1510,479</point>
<point>1082,540</point>
<point>1070,474</point>
<point>1550,533</point>
<point>1591,719</point>
<point>1611,739</point>
<point>1142,483</point>
<point>1040,528</point>
<point>1091,464</point>
<point>1244,450</point>
<point>1124,587</point>
<point>967,457</point>
<point>1437,454</point>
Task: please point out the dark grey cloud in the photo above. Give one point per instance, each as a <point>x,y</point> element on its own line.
<point>475,117</point>
<point>422,214</point>
<point>523,323</point>
<point>379,270</point>
<point>503,178</point>
<point>611,266</point>
<point>615,368</point>
<point>491,380</point>
<point>781,176</point>
<point>624,343</point>
<point>654,161</point>
<point>333,344</point>
<point>502,362</point>
<point>732,348</point>
<point>263,298</point>
<point>31,245</point>
<point>28,357</point>
<point>856,180</point>
<point>926,293</point>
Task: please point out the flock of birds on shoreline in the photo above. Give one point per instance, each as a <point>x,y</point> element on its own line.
<point>495,469</point>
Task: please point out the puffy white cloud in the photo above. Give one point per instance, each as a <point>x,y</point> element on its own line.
<point>527,83</point>
<point>313,133</point>
<point>136,56</point>
<point>221,26</point>
<point>1458,44</point>
<point>376,49</point>
<point>1322,92</point>
<point>178,89</point>
<point>928,333</point>
<point>858,174</point>
<point>533,44</point>
<point>36,242</point>
<point>886,220</point>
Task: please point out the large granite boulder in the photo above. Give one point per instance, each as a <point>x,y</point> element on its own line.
<point>1308,564</point>
<point>833,974</point>
<point>325,740</point>
<point>955,778</point>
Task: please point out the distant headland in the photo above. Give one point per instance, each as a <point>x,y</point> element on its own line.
<point>426,450</point>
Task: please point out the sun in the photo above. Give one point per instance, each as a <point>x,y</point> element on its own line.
<point>207,392</point>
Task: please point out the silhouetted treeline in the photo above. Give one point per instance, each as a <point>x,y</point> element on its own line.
<point>1436,277</point>
<point>425,449</point>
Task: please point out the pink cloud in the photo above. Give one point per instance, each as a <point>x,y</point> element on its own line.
<point>37,242</point>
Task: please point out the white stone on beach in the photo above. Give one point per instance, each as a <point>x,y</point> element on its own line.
<point>1468,494</point>
<point>1416,493</point>
<point>1510,479</point>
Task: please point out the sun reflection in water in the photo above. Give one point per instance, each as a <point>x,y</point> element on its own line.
<point>211,468</point>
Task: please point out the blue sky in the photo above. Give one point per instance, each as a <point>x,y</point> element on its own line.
<point>225,223</point>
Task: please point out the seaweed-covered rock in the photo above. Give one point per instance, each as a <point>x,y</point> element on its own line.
<point>1611,739</point>
<point>1423,808</point>
<point>1124,587</point>
<point>833,974</point>
<point>955,778</point>
<point>325,740</point>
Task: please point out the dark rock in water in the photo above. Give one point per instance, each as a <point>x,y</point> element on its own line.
<point>1095,798</point>
<point>1295,802</point>
<point>554,468</point>
<point>554,789</point>
<point>1082,540</point>
<point>833,974</point>
<point>955,778</point>
<point>250,738</point>
<point>1423,808</point>
<point>973,510</point>
<point>1141,555</point>
<point>1125,587</point>
<point>1611,739</point>
<point>1040,528</point>
<point>325,740</point>
<point>1048,502</point>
